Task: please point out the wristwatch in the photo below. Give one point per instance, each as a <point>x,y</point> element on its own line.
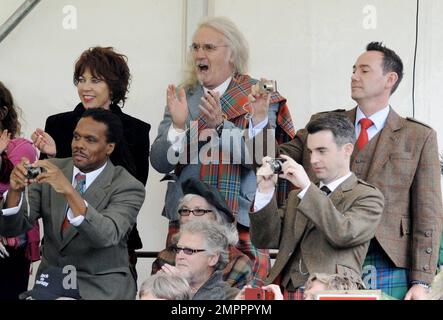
<point>219,128</point>
<point>421,283</point>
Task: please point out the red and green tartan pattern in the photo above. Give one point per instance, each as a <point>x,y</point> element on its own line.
<point>226,177</point>
<point>261,261</point>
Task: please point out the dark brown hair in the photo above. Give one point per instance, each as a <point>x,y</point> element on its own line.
<point>106,64</point>
<point>391,61</point>
<point>8,112</point>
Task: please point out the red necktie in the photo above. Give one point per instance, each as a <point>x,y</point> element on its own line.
<point>362,140</point>
<point>80,182</point>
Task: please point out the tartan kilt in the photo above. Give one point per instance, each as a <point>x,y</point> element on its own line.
<point>261,261</point>
<point>379,272</point>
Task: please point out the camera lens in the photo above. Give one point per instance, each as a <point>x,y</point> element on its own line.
<point>33,172</point>
<point>276,166</point>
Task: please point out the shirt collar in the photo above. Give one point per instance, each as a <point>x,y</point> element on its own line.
<point>221,89</point>
<point>334,184</point>
<point>378,118</point>
<point>90,176</point>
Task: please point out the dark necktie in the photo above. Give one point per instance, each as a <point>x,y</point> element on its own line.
<point>325,190</point>
<point>80,183</point>
<point>362,140</point>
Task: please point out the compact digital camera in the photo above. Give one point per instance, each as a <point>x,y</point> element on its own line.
<point>276,165</point>
<point>267,86</point>
<point>33,172</point>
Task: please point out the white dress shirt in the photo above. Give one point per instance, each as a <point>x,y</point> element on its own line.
<point>379,119</point>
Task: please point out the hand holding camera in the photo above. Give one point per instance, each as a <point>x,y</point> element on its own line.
<point>32,172</point>
<point>267,176</point>
<point>294,173</point>
<point>259,99</point>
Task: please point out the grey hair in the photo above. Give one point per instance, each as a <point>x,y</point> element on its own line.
<point>235,40</point>
<point>214,236</point>
<point>231,229</point>
<point>166,286</point>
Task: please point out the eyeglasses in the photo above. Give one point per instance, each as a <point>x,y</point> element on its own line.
<point>206,47</point>
<point>187,251</point>
<point>195,212</point>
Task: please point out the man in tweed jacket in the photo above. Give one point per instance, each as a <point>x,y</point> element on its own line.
<point>325,228</point>
<point>401,159</point>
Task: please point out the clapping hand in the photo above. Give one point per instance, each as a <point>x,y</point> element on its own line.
<point>211,109</point>
<point>44,142</point>
<point>177,106</point>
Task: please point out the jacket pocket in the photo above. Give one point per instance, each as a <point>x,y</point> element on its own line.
<point>401,155</point>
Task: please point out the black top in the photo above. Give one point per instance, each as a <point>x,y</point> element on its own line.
<point>136,140</point>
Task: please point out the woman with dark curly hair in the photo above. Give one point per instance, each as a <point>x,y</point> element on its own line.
<point>16,253</point>
<point>102,78</point>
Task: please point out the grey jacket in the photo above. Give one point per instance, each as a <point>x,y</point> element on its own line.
<point>97,247</point>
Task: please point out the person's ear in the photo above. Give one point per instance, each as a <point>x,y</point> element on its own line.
<point>213,260</point>
<point>110,148</point>
<point>391,80</point>
<point>349,148</point>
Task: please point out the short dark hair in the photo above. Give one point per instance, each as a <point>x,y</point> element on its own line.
<point>114,132</point>
<point>9,116</point>
<point>391,61</point>
<point>107,64</point>
<point>339,124</point>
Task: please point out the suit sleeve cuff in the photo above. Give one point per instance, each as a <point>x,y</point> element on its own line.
<point>75,221</point>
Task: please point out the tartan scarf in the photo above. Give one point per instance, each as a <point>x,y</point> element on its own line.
<point>226,177</point>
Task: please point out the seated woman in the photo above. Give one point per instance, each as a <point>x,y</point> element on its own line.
<point>102,77</point>
<point>202,201</point>
<point>16,253</point>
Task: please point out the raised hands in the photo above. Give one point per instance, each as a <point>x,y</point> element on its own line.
<point>211,110</point>
<point>44,142</point>
<point>258,103</point>
<point>294,173</point>
<point>178,106</point>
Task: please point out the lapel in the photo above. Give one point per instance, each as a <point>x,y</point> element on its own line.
<point>339,193</point>
<point>300,223</point>
<point>337,196</point>
<point>388,141</point>
<point>94,196</point>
